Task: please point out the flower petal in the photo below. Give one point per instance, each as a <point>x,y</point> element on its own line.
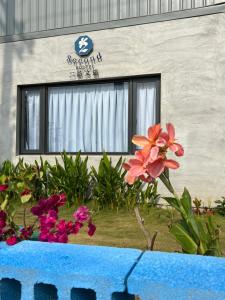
<point>161,142</point>
<point>135,162</point>
<point>140,140</point>
<point>171,131</point>
<point>137,170</point>
<point>156,168</point>
<point>126,166</point>
<point>154,153</point>
<point>180,150</point>
<point>154,132</point>
<point>130,179</point>
<point>171,164</point>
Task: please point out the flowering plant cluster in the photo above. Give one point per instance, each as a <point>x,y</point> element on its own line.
<point>50,227</point>
<point>151,161</point>
<point>54,230</point>
<point>195,235</point>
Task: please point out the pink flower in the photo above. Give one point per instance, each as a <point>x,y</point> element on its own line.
<point>3,215</point>
<point>91,229</point>
<point>82,214</point>
<point>63,238</point>
<point>151,161</point>
<point>11,240</point>
<point>3,187</point>
<point>76,228</point>
<point>138,166</point>
<point>51,203</point>
<point>2,223</point>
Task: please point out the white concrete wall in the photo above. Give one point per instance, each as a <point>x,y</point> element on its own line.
<point>190,56</point>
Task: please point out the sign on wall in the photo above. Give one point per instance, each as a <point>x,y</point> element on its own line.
<point>85,63</point>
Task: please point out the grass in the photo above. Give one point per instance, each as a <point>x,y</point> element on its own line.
<point>120,229</point>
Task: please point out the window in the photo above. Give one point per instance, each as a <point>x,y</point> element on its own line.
<point>88,117</point>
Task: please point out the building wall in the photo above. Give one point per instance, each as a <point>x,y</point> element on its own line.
<point>25,16</point>
<point>188,53</point>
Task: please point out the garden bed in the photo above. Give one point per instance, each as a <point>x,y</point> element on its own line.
<point>120,229</point>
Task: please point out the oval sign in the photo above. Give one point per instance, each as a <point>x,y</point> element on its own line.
<point>84,45</point>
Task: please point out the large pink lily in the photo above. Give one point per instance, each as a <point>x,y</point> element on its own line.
<point>138,166</point>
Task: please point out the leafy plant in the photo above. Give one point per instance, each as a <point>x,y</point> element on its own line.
<point>197,203</point>
<point>195,234</point>
<point>220,208</point>
<point>71,177</point>
<point>108,183</point>
<point>111,190</point>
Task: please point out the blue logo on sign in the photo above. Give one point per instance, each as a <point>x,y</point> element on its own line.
<point>84,45</point>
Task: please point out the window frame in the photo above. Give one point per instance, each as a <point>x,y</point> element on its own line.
<point>43,144</point>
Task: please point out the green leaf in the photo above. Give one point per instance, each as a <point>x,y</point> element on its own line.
<point>25,198</point>
<point>184,239</point>
<point>186,202</point>
<point>4,204</point>
<point>174,202</point>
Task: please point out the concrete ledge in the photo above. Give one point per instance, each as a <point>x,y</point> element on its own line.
<point>171,276</point>
<point>38,271</point>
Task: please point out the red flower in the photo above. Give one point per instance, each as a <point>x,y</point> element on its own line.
<point>3,187</point>
<point>26,192</point>
<point>12,240</point>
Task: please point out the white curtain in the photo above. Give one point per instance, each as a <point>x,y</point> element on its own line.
<point>90,118</point>
<point>146,106</point>
<point>32,119</point>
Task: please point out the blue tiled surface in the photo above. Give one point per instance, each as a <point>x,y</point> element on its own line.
<point>172,276</point>
<point>101,269</point>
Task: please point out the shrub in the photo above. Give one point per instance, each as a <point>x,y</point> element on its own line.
<point>71,177</point>
<point>220,208</point>
<point>111,190</point>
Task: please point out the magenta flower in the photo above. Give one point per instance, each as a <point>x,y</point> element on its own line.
<point>3,215</point>
<point>76,228</point>
<point>63,238</point>
<point>26,233</point>
<point>51,203</point>
<point>3,187</point>
<point>82,214</point>
<point>12,240</point>
<point>91,229</point>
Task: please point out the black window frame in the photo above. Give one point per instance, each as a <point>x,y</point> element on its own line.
<point>43,144</point>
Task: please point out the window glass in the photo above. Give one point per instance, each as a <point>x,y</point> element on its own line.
<point>146,106</point>
<point>32,119</point>
<point>90,118</point>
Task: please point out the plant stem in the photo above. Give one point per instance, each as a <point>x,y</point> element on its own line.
<point>150,240</point>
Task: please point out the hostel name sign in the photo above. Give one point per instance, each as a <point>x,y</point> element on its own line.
<point>85,67</point>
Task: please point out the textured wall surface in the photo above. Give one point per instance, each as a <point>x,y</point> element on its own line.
<point>22,16</point>
<point>188,53</point>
